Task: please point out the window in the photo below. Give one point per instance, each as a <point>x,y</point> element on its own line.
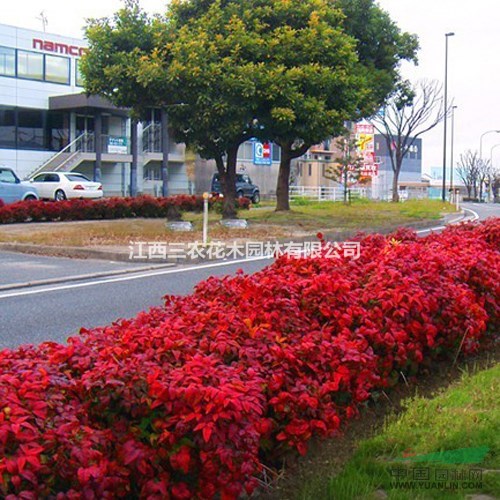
<point>276,152</point>
<point>78,74</point>
<point>7,176</point>
<point>245,151</point>
<point>77,178</point>
<point>57,69</point>
<point>7,62</point>
<point>52,178</point>
<point>310,169</point>
<point>57,130</point>
<point>30,130</point>
<point>40,178</point>
<point>29,65</point>
<point>7,127</point>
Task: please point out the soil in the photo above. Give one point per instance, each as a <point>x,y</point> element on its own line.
<point>326,458</point>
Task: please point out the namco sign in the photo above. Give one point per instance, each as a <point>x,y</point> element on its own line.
<point>58,48</point>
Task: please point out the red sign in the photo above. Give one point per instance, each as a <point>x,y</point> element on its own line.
<point>364,128</point>
<point>266,151</point>
<point>58,48</point>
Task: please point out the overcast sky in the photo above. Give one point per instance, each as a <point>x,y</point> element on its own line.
<point>473,57</point>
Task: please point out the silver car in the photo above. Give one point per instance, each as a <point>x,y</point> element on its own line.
<point>13,189</point>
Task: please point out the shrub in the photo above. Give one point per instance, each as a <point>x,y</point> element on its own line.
<point>106,208</point>
<point>189,399</point>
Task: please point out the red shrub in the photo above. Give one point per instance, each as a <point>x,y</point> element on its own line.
<point>106,208</point>
<point>188,399</point>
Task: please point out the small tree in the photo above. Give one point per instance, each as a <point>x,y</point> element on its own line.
<point>410,111</point>
<point>468,170</point>
<point>347,166</point>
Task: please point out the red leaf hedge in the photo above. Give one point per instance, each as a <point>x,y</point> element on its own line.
<point>189,399</point>
<point>105,208</point>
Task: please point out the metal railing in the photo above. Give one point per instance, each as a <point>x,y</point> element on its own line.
<point>151,138</point>
<point>59,160</point>
<point>324,193</point>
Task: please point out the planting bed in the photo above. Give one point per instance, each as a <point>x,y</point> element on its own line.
<point>190,399</point>
<point>106,208</point>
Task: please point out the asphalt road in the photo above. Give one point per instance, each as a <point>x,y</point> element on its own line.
<point>55,312</point>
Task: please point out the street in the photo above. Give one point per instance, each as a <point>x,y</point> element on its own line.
<point>33,314</point>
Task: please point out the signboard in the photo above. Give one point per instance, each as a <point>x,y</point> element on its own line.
<point>117,145</point>
<point>262,153</point>
<point>365,135</point>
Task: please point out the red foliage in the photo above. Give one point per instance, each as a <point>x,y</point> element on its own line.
<point>187,400</point>
<point>106,208</point>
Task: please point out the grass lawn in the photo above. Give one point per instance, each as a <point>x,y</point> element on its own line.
<point>443,438</point>
<point>306,217</point>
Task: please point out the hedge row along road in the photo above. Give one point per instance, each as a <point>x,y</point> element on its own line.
<point>192,398</point>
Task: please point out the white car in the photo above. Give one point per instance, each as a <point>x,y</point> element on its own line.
<point>65,185</point>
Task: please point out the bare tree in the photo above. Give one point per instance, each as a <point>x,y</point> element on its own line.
<point>409,112</point>
<point>468,170</point>
<point>484,172</point>
<point>495,185</point>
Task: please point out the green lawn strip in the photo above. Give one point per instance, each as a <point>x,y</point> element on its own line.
<point>452,439</point>
<point>312,215</point>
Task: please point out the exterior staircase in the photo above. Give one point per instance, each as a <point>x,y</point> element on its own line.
<point>68,158</point>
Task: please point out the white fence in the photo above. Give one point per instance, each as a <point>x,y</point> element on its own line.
<point>321,193</point>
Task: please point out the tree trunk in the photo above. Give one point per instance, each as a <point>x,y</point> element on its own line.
<point>282,186</point>
<point>395,179</point>
<point>227,176</point>
<point>344,180</point>
<point>395,192</point>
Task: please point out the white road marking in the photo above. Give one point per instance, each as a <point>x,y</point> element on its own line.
<point>130,278</point>
<point>171,271</point>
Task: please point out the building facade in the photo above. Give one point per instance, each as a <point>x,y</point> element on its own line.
<point>48,123</point>
<point>313,170</point>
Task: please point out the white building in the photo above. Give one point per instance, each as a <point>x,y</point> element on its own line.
<point>48,123</point>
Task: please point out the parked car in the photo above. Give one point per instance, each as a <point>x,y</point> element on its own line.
<point>244,187</point>
<point>13,189</point>
<point>65,185</point>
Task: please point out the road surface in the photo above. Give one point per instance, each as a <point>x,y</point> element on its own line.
<point>55,312</point>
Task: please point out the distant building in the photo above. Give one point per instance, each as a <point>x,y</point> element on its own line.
<point>312,169</point>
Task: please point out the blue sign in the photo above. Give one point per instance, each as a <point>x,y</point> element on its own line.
<point>262,153</point>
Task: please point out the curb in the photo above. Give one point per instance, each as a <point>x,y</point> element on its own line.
<point>81,277</point>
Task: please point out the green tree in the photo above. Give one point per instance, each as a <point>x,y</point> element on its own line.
<point>117,45</point>
<point>334,63</point>
<point>229,70</point>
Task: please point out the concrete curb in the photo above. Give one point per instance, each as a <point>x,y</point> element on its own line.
<point>81,277</point>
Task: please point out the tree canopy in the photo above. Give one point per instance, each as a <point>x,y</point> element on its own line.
<point>228,70</point>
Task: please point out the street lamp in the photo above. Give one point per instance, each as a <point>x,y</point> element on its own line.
<point>447,35</point>
<point>491,153</point>
<point>453,108</point>
<point>481,141</point>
